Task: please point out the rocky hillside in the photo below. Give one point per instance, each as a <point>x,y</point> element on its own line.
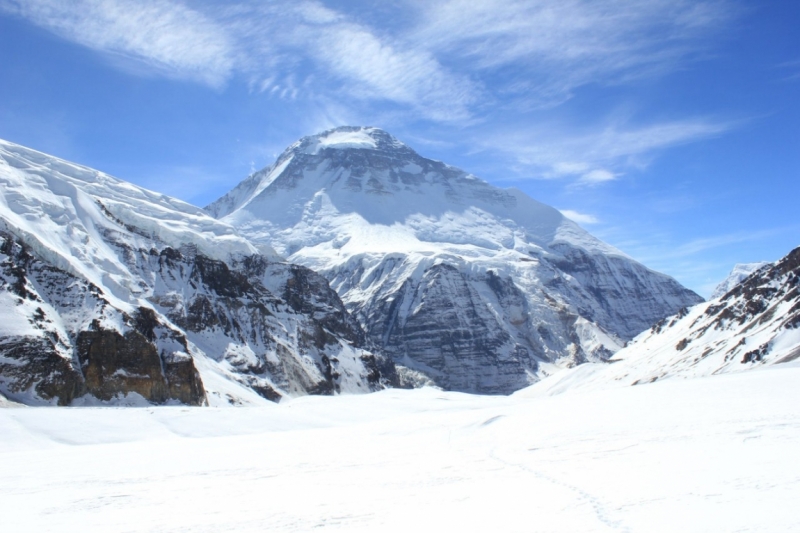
<point>756,323</point>
<point>482,289</point>
<point>112,293</point>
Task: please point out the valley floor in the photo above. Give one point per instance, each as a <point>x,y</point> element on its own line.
<point>712,454</point>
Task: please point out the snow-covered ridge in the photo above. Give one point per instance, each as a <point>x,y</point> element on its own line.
<point>755,323</point>
<point>108,289</point>
<point>43,187</point>
<point>405,240</point>
<point>739,273</point>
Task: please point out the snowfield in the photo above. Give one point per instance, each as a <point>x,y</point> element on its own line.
<point>705,454</point>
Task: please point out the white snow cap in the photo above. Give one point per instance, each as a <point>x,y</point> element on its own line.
<point>347,137</point>
<point>739,273</point>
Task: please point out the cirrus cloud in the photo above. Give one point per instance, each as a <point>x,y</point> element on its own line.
<point>445,61</point>
<point>580,218</point>
<point>166,36</point>
<point>595,155</point>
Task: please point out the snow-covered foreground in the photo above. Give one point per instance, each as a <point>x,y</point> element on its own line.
<point>709,454</point>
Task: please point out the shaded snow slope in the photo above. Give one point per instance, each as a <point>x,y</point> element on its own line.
<point>111,292</point>
<point>703,455</point>
<point>754,324</point>
<point>480,288</point>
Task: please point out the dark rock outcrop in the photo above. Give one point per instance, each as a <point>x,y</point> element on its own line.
<point>295,327</point>
<point>60,364</point>
<point>32,369</point>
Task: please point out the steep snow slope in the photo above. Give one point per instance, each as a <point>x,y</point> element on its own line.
<point>756,323</point>
<point>111,292</point>
<point>738,274</point>
<point>478,287</point>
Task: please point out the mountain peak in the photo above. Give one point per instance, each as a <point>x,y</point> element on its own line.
<point>739,273</point>
<point>473,285</point>
<point>348,138</point>
<point>362,166</point>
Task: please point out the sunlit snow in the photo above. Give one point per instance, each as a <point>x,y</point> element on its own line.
<point>709,454</point>
<point>343,139</point>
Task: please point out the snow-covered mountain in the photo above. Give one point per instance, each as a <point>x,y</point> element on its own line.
<point>482,289</point>
<point>738,274</point>
<point>755,323</point>
<point>110,292</point>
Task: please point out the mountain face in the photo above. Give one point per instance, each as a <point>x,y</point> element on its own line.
<point>738,274</point>
<point>482,289</point>
<point>112,293</point>
<point>755,323</point>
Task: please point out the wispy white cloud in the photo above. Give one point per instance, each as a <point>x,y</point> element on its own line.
<point>380,70</point>
<point>699,245</point>
<point>547,48</point>
<point>452,61</point>
<point>457,61</point>
<point>791,70</point>
<point>598,175</point>
<point>280,47</point>
<point>662,252</point>
<point>550,151</point>
<point>580,218</point>
<point>699,263</point>
<point>168,37</point>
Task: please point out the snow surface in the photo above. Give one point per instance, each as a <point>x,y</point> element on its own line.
<point>343,139</point>
<point>63,210</point>
<point>701,455</point>
<point>46,193</point>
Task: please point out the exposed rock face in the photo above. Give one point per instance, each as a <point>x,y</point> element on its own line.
<point>615,292</point>
<point>480,288</point>
<point>115,294</point>
<point>769,297</point>
<point>57,358</point>
<point>755,323</point>
<point>32,368</point>
<point>453,337</point>
<point>113,363</point>
<point>279,327</point>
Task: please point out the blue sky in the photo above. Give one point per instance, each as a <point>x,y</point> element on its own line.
<point>668,128</point>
